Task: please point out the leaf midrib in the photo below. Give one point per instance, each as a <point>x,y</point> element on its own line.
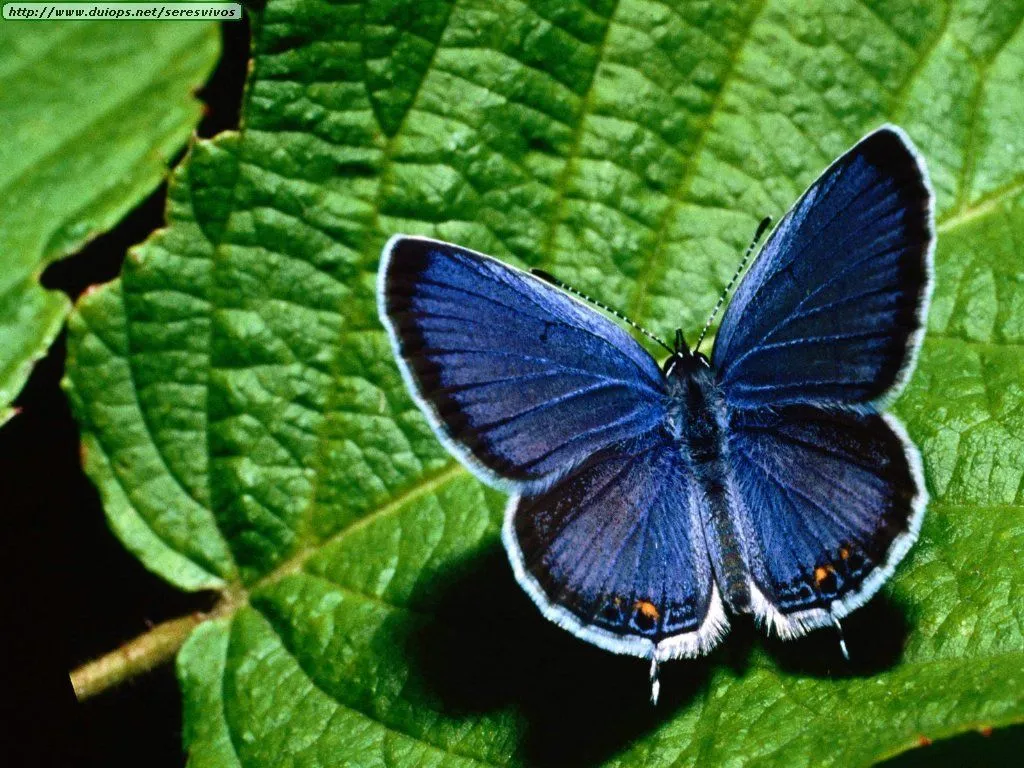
<point>423,487</point>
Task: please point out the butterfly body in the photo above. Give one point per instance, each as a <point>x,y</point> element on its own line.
<point>698,420</point>
<point>650,501</point>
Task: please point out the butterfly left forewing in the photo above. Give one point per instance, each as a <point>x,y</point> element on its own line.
<point>519,381</point>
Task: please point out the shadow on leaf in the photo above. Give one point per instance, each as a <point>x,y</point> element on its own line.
<point>490,648</point>
<point>875,635</point>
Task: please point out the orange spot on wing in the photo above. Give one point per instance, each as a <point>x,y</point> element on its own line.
<point>647,608</point>
<point>844,553</point>
<point>822,572</point>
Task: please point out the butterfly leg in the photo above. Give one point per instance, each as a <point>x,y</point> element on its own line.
<point>842,640</point>
<point>655,682</point>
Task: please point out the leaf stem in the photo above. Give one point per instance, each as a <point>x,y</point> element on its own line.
<point>141,654</point>
<point>153,648</point>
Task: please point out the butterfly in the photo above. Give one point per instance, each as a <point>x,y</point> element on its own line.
<point>648,503</point>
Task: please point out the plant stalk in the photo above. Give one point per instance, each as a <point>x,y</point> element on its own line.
<point>149,650</point>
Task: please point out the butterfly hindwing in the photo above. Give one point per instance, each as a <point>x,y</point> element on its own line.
<point>615,552</point>
<point>520,381</point>
<point>832,309</point>
<point>828,502</point>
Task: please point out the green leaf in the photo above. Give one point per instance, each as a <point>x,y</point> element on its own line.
<point>90,115</point>
<point>249,432</point>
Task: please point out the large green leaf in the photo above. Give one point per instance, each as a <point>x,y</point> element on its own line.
<point>249,431</point>
<point>90,114</point>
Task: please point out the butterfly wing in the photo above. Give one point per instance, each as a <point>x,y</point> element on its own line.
<point>831,312</point>
<point>828,503</point>
<point>520,381</point>
<point>615,552</point>
<point>827,493</point>
<point>540,394</point>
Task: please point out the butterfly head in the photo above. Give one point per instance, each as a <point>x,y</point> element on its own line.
<point>683,361</point>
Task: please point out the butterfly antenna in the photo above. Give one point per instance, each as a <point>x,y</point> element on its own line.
<point>549,278</point>
<point>655,683</point>
<point>765,223</point>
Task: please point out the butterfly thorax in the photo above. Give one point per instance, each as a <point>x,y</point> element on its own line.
<point>697,418</point>
<point>696,406</point>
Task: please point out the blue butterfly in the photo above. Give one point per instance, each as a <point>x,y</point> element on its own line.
<point>650,502</point>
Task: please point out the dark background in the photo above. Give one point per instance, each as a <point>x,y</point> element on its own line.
<point>72,592</point>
